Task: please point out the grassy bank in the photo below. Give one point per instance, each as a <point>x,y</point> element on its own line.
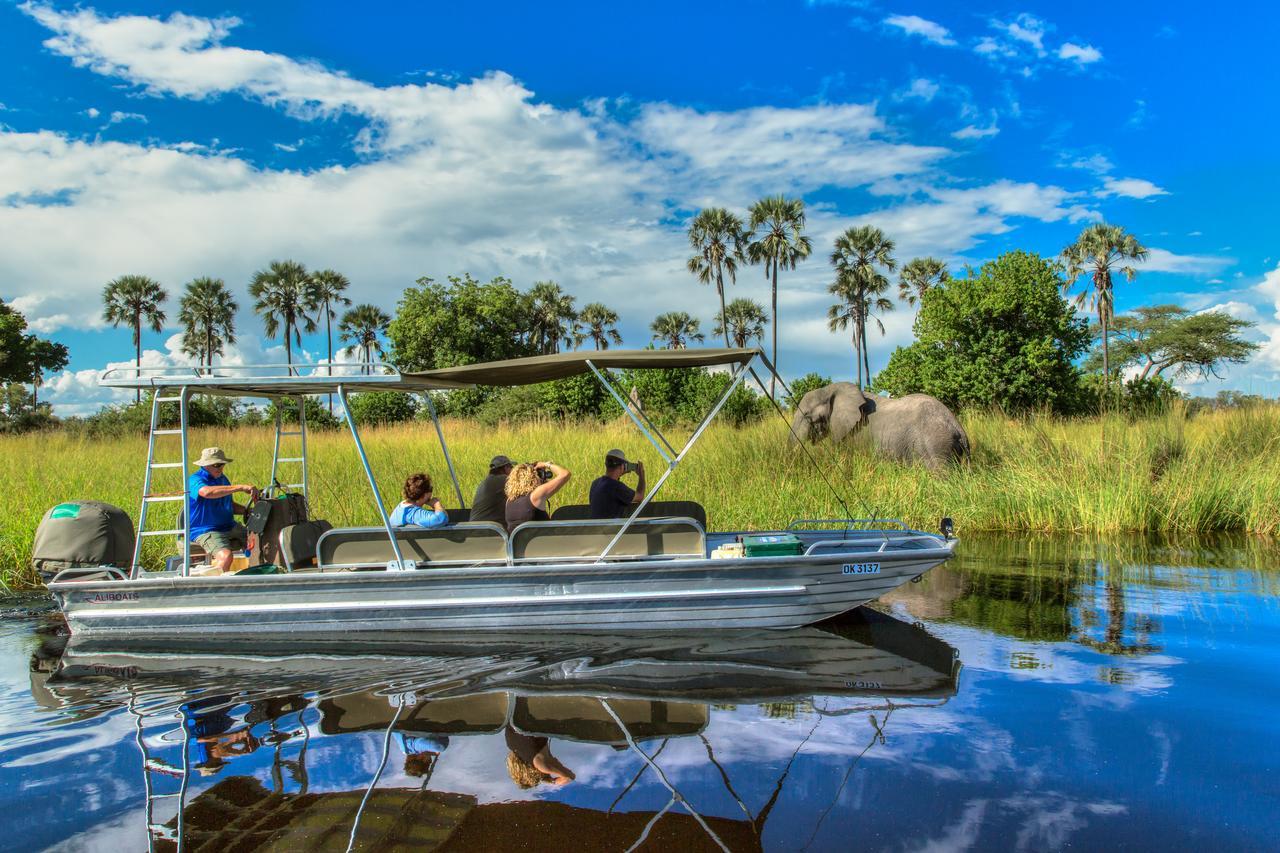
<point>1216,471</point>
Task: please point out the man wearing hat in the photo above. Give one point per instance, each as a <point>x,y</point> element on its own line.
<point>610,497</point>
<point>210,510</point>
<point>490,502</point>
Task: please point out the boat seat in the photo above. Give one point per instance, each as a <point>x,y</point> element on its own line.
<point>298,543</point>
<point>369,548</point>
<point>372,711</point>
<point>653,509</point>
<point>544,541</point>
<point>584,718</point>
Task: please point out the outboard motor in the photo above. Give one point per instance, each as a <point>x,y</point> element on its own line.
<point>83,534</point>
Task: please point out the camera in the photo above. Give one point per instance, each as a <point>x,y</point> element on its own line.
<point>543,474</point>
<point>630,468</point>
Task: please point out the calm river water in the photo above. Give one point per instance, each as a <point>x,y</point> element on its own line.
<point>1032,694</point>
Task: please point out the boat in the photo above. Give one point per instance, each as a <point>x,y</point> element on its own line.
<point>659,569</point>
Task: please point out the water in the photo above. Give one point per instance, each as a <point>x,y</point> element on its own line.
<point>1034,694</point>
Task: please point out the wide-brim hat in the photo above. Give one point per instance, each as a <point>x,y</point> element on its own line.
<point>212,456</point>
<point>616,455</point>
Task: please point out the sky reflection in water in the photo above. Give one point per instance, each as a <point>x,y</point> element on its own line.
<point>1110,694</point>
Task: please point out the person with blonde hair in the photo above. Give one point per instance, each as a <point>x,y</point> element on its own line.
<point>530,762</point>
<point>528,486</point>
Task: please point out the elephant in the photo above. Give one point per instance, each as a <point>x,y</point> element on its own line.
<point>910,428</point>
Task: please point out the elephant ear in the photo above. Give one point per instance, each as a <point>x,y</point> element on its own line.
<point>851,407</point>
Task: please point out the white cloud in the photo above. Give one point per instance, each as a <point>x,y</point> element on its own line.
<point>1162,260</point>
<point>922,88</point>
<point>974,132</point>
<point>92,112</point>
<point>1096,163</point>
<point>914,25</point>
<point>1082,54</point>
<point>117,116</point>
<point>1130,188</point>
<point>1025,28</point>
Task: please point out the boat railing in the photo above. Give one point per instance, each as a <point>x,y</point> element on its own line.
<point>884,544</point>
<point>847,523</point>
<point>168,375</point>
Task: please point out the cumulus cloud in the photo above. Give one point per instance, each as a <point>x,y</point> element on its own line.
<point>1083,54</point>
<point>974,132</point>
<point>914,25</point>
<point>1025,28</point>
<point>1162,260</point>
<point>1130,188</point>
<point>922,88</point>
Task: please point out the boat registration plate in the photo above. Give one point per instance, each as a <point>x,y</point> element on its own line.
<point>860,569</point>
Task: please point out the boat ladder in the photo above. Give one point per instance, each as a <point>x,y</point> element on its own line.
<point>176,524</point>
<point>300,460</point>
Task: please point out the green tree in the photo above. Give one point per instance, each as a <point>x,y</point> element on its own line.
<point>720,242</point>
<point>363,327</point>
<point>1100,249</point>
<point>134,300</point>
<point>600,324</point>
<point>554,318</point>
<point>462,322</point>
<point>860,287</point>
<point>284,294</point>
<point>24,357</point>
<point>207,311</point>
<point>1169,337</point>
<point>777,240</point>
<point>1003,338</point>
<point>44,357</point>
<point>382,407</point>
<point>741,321</point>
<point>809,382</point>
<point>675,329</point>
<point>918,275</point>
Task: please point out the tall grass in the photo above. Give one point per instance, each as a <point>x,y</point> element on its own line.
<point>1216,471</point>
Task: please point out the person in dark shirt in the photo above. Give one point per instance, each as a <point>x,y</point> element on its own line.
<point>530,762</point>
<point>610,497</point>
<point>490,502</point>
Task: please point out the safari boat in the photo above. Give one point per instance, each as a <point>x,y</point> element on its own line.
<point>663,568</point>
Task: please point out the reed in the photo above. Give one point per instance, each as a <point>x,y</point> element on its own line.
<point>1173,473</point>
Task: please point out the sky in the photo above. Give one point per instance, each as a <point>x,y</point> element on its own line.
<point>575,142</point>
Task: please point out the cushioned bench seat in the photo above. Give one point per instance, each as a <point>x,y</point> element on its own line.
<point>653,509</point>
<point>546,541</point>
<point>368,547</point>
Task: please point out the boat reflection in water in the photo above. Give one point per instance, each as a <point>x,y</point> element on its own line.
<point>201,712</point>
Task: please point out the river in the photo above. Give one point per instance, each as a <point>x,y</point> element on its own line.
<point>1034,693</point>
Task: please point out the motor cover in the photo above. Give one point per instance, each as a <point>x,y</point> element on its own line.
<point>82,534</point>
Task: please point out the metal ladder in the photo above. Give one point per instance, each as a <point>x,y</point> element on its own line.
<point>153,769</point>
<point>158,399</point>
<point>301,459</point>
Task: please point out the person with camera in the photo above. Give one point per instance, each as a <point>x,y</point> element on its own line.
<point>420,508</point>
<point>610,497</point>
<point>529,485</point>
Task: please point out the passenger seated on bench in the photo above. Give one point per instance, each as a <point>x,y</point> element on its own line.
<point>419,508</point>
<point>528,487</point>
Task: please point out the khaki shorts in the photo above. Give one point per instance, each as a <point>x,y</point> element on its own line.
<point>218,540</point>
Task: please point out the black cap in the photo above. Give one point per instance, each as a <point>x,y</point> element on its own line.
<point>499,461</point>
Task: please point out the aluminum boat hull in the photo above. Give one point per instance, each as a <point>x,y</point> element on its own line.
<point>665,595</point>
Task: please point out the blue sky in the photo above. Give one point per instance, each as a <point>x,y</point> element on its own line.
<point>574,143</point>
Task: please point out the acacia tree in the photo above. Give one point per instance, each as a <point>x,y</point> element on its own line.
<point>43,356</point>
<point>1099,250</point>
<point>363,327</point>
<point>207,310</point>
<point>599,323</point>
<point>720,242</point>
<point>742,321</point>
<point>1161,338</point>
<point>554,317</point>
<point>777,240</point>
<point>284,294</point>
<point>134,300</point>
<point>860,286</point>
<point>918,275</point>
<point>676,329</point>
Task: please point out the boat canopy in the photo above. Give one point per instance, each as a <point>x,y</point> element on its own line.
<point>545,368</point>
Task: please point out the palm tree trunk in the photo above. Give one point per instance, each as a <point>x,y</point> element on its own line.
<point>208,346</point>
<point>137,344</point>
<point>328,336</point>
<point>773,378</point>
<point>288,346</point>
<point>1106,356</point>
<point>724,321</point>
<point>866,355</point>
<point>857,357</point>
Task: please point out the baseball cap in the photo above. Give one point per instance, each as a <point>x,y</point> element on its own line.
<point>499,461</point>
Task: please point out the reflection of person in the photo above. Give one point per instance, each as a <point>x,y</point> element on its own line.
<point>211,731</point>
<point>419,508</point>
<point>211,512</point>
<point>421,752</point>
<point>610,497</point>
<point>527,492</point>
<point>530,762</point>
<point>490,502</point>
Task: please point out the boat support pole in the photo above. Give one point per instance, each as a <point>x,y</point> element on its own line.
<point>626,407</point>
<point>672,463</point>
<point>368,471</point>
<point>448,460</point>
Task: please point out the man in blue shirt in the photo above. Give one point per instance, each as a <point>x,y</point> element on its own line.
<point>212,512</point>
<point>609,496</point>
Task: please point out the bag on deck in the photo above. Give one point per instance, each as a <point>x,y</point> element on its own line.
<point>268,517</point>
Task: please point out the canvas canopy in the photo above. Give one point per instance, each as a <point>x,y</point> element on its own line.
<point>545,368</point>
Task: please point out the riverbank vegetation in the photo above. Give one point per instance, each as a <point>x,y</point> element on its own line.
<point>1174,472</point>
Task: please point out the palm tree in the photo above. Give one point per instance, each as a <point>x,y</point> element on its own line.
<point>675,329</point>
<point>330,290</point>
<point>134,299</point>
<point>858,254</point>
<point>720,241</point>
<point>743,320</point>
<point>1100,248</point>
<point>362,327</point>
<point>208,311</point>
<point>554,318</point>
<point>918,275</point>
<point>283,294</point>
<point>777,242</point>
<point>600,322</point>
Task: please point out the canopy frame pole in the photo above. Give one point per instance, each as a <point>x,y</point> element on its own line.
<point>671,466</point>
<point>444,447</point>
<point>368,471</point>
<point>626,407</point>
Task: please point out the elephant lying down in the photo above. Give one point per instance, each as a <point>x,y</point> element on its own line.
<point>914,427</point>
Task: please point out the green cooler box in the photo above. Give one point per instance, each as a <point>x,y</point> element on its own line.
<point>772,545</point>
